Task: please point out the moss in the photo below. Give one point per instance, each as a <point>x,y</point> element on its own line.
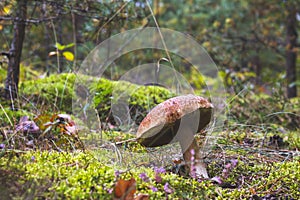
<point>124,141</point>
<point>2,75</point>
<point>56,93</point>
<point>140,99</point>
<point>81,176</point>
<point>9,117</point>
<point>293,139</point>
<point>85,175</point>
<point>264,110</point>
<point>262,180</point>
<point>273,139</point>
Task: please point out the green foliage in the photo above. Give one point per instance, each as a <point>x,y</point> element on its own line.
<point>61,47</point>
<point>275,180</point>
<point>238,40</point>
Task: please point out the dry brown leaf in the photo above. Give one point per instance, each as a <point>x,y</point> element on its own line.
<point>125,189</point>
<point>142,197</point>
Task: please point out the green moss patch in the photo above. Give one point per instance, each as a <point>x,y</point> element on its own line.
<point>138,99</point>
<point>52,93</point>
<point>84,176</point>
<point>56,93</point>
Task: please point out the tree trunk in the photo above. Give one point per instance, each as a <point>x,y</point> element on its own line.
<point>45,49</point>
<point>291,55</point>
<point>257,69</point>
<point>13,70</point>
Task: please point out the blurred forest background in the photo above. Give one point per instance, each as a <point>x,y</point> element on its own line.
<point>254,43</point>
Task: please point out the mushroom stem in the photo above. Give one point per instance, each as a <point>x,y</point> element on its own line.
<point>195,163</point>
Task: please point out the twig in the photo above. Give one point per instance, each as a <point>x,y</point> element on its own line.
<point>111,18</point>
<point>6,115</point>
<point>126,141</point>
<point>162,40</point>
<point>27,21</point>
<point>57,52</point>
<point>3,53</point>
<point>99,126</point>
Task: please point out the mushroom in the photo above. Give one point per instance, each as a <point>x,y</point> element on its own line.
<point>177,120</point>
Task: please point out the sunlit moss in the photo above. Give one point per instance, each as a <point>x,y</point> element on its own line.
<point>85,175</point>
<point>56,93</point>
<point>139,99</point>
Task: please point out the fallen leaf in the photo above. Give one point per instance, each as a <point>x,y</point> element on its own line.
<point>43,121</point>
<point>177,161</point>
<point>142,197</point>
<point>125,189</point>
<point>66,124</point>
<point>27,126</point>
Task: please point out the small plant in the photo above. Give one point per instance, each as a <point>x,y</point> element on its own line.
<point>61,51</point>
<point>228,168</point>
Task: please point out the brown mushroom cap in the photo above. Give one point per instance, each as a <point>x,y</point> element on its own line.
<point>161,125</point>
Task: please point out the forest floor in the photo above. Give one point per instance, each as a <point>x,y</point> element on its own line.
<point>250,157</point>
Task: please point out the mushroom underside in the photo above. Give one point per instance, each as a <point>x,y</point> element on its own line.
<point>167,133</point>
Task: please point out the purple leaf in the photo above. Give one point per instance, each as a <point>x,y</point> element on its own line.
<point>117,173</point>
<point>154,189</point>
<point>234,162</point>
<point>167,188</point>
<point>32,158</point>
<point>227,166</point>
<point>159,170</point>
<point>217,179</point>
<point>157,178</point>
<point>144,177</point>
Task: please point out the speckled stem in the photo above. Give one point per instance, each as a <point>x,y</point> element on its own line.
<point>199,165</point>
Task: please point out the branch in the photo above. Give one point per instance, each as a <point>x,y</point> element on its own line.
<point>3,53</point>
<point>33,21</point>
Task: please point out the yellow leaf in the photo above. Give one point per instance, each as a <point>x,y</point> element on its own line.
<point>216,24</point>
<point>144,21</point>
<point>206,45</point>
<point>7,9</point>
<point>1,27</point>
<point>68,55</point>
<point>228,21</point>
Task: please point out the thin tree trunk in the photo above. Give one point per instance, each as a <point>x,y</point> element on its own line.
<point>59,34</point>
<point>13,71</point>
<point>257,69</point>
<point>291,54</point>
<point>46,46</point>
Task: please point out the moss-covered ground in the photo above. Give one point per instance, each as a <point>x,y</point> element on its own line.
<point>254,156</point>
